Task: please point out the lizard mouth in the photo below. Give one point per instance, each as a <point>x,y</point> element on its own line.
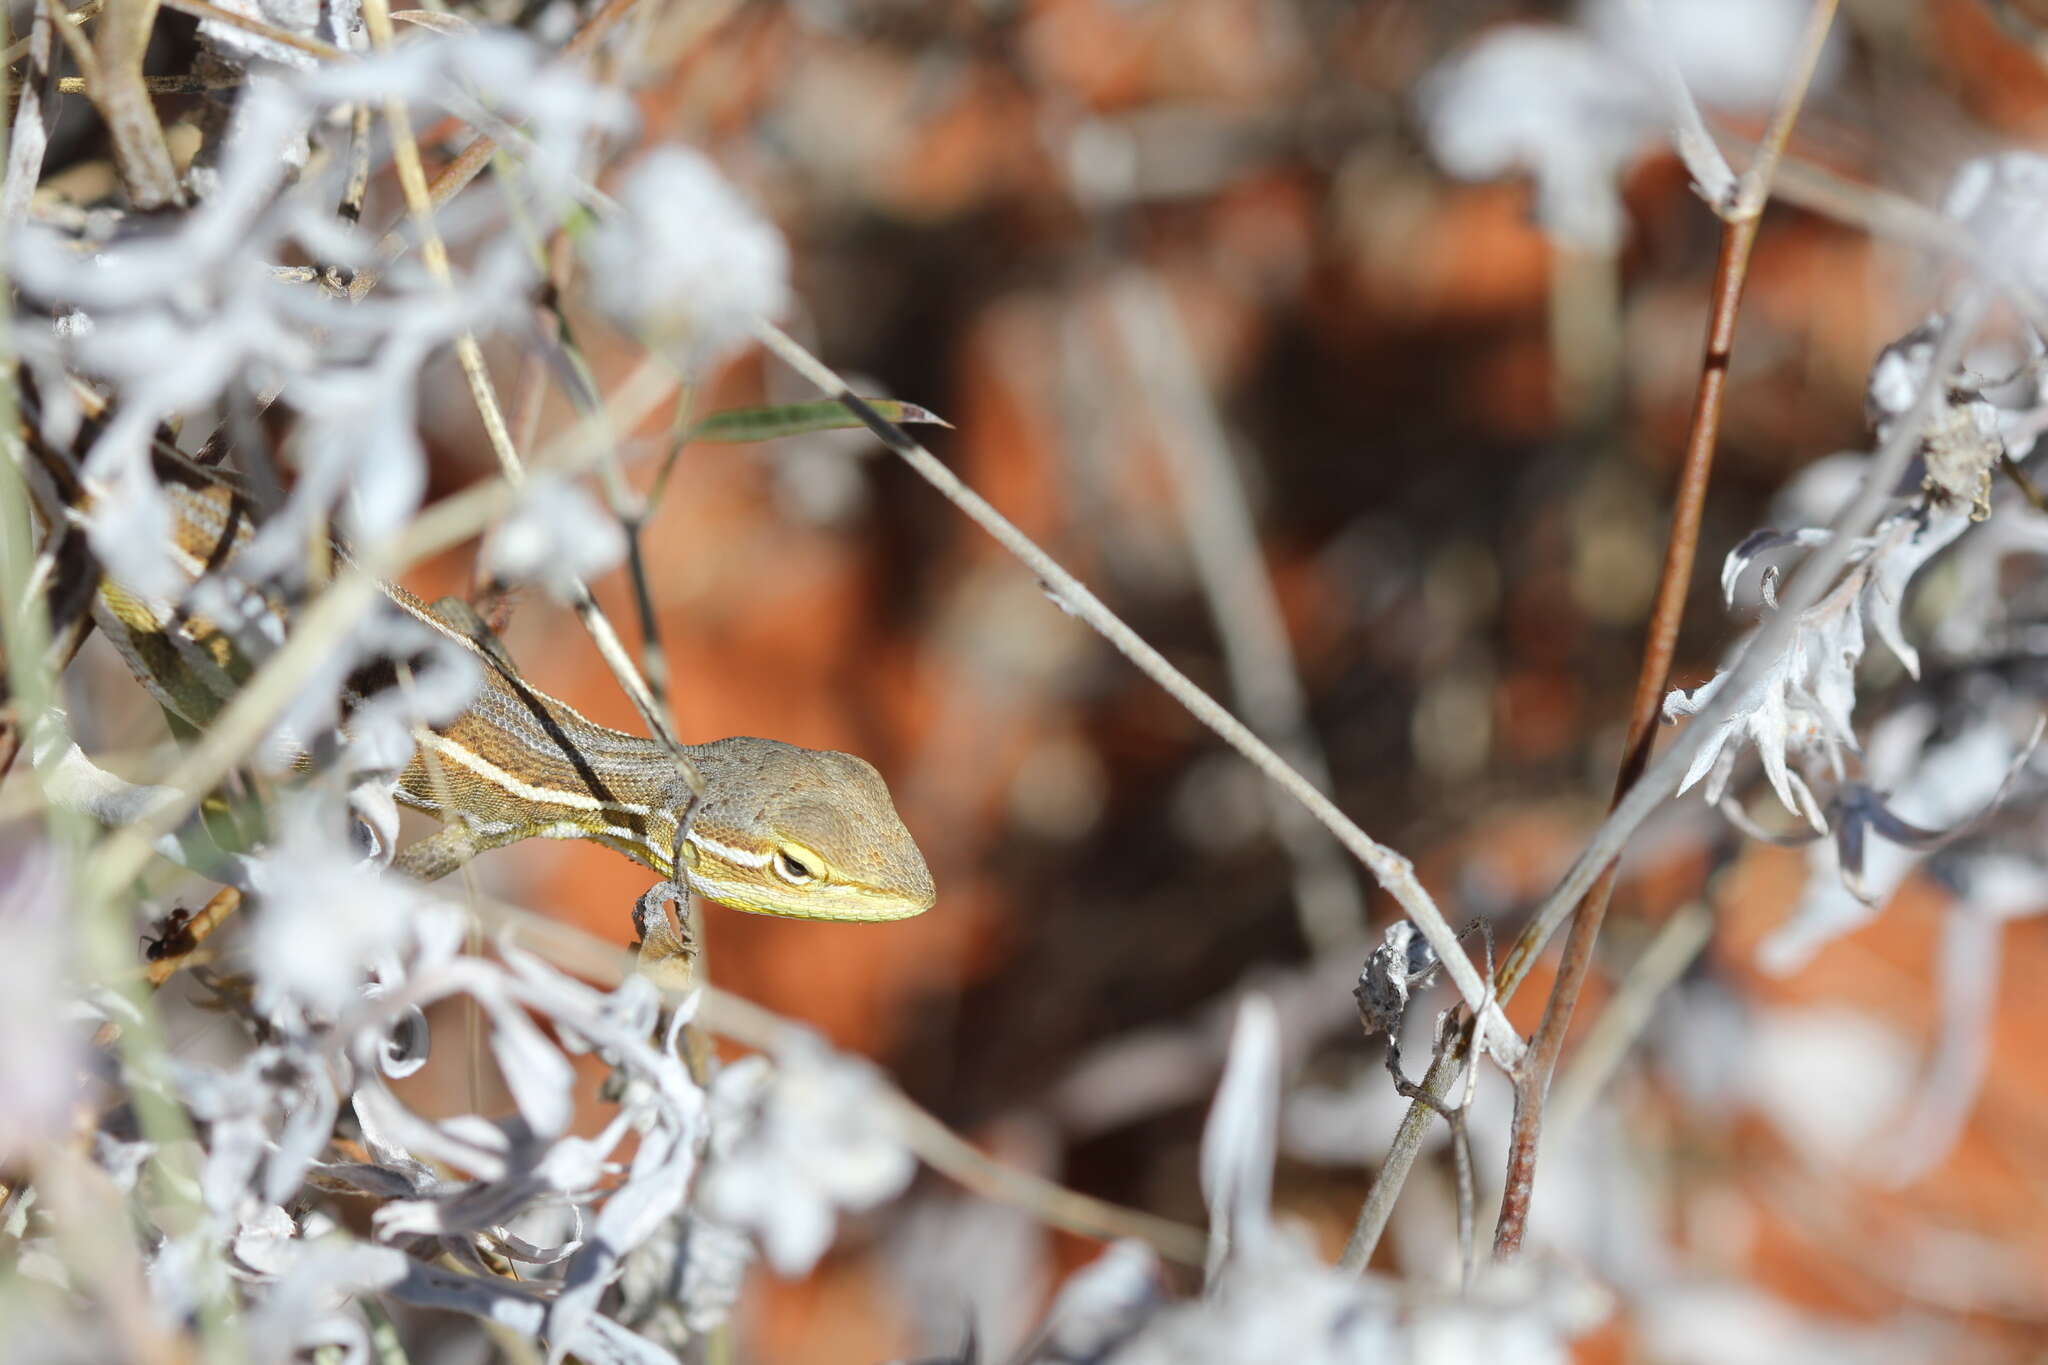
<point>848,906</point>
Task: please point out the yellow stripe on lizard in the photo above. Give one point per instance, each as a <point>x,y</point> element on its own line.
<point>781,830</point>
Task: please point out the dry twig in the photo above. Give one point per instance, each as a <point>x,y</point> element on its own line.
<point>1738,235</point>
<point>1393,871</point>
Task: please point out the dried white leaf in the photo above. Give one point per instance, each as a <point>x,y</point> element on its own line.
<point>1242,1136</point>
<point>556,536</point>
<point>327,919</point>
<point>687,263</point>
<point>1104,1302</point>
<point>1552,103</point>
<point>1732,54</point>
<point>795,1143</point>
<point>1801,708</point>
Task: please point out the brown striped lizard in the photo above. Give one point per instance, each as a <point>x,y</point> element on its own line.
<point>779,830</point>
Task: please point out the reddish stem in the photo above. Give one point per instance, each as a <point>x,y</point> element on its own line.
<point>1532,1081</point>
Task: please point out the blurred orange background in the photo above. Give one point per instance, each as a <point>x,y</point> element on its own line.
<point>975,196</point>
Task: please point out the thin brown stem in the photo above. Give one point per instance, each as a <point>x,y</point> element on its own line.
<point>1738,237</point>
<point>1531,1083</point>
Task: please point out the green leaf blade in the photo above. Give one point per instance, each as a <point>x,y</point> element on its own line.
<point>739,426</point>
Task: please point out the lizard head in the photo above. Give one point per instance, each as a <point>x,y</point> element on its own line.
<point>804,833</point>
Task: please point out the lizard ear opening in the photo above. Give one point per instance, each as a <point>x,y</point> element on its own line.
<point>797,866</point>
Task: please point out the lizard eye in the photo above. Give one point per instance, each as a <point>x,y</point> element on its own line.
<point>793,869</point>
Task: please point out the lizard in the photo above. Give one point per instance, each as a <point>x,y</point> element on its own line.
<point>779,829</point>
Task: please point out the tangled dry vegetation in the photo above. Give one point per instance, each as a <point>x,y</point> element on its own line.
<point>325,1112</point>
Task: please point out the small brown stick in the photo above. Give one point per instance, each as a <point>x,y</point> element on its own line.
<point>192,933</point>
<point>1738,236</point>
<point>1676,946</point>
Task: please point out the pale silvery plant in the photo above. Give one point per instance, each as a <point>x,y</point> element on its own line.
<point>1882,810</point>
<point>686,264</point>
<point>796,1140</point>
<point>268,1170</point>
<point>1948,779</point>
<point>1550,102</point>
<point>340,969</point>
<point>300,1115</point>
<point>196,321</point>
<point>558,536</point>
<point>795,1144</point>
<point>1573,106</point>
<point>1799,713</point>
<point>178,323</point>
<point>206,297</point>
<point>1269,1300</point>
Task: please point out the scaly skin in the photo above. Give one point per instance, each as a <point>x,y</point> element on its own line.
<point>781,830</point>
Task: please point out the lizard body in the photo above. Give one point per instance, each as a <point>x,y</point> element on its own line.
<point>780,830</point>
